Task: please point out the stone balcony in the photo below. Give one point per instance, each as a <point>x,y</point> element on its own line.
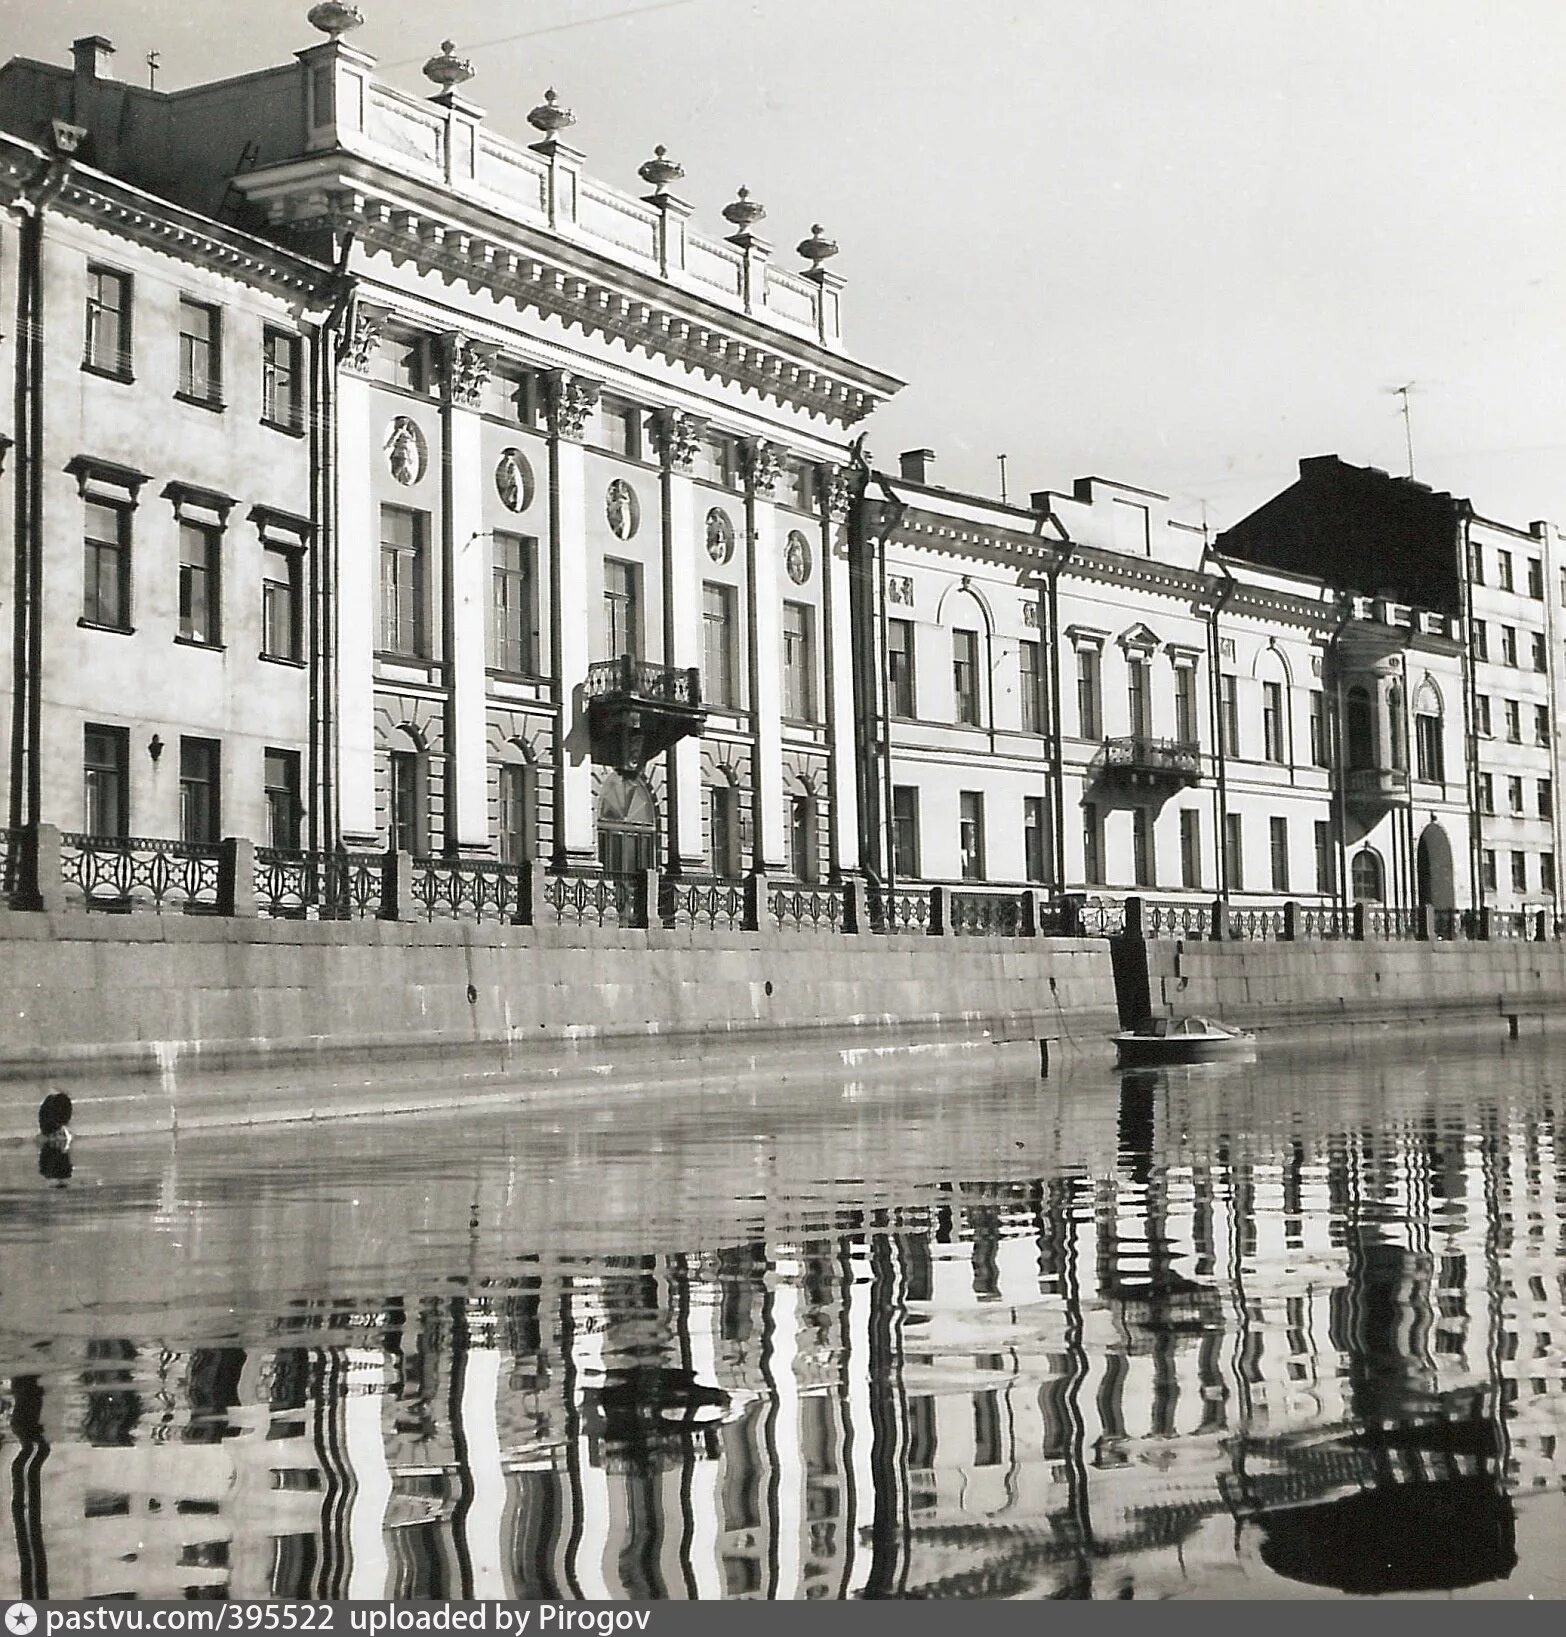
<point>636,709</point>
<point>1138,759</point>
<point>1375,786</point>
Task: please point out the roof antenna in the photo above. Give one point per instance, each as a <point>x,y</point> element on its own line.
<point>152,70</point>
<point>1002,460</point>
<point>1408,421</point>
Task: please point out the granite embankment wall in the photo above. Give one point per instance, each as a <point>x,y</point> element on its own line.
<point>139,1009</point>
<point>1311,987</point>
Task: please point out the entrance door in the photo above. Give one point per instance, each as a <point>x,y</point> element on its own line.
<point>1433,865</point>
<point>627,825</point>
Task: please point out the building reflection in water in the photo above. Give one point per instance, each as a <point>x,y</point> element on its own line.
<point>1333,1357</point>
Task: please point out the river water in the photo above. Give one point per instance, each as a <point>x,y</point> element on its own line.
<point>1276,1330</point>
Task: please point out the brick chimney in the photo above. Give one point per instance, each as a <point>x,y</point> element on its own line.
<point>90,57</point>
<point>915,464</point>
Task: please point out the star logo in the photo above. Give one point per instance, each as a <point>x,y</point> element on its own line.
<point>20,1619</point>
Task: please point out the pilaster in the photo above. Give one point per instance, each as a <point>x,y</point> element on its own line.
<point>769,838</point>
<point>466,550</point>
<point>572,611</point>
<point>682,626</point>
<point>838,651</point>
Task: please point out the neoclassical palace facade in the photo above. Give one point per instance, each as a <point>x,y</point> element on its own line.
<point>375,481</point>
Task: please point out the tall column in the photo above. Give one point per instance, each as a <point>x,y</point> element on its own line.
<point>357,588</point>
<point>365,1447</point>
<point>572,612</point>
<point>838,648</point>
<point>485,1520</point>
<point>465,558</point>
<point>676,436</point>
<point>769,846</point>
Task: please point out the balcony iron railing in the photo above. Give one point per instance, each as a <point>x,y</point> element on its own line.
<point>1139,758</point>
<point>636,709</point>
<point>640,680</point>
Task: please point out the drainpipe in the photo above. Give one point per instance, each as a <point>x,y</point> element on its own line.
<point>1215,710</point>
<point>1463,517</point>
<point>32,200</point>
<point>330,340</point>
<point>1057,744</point>
<point>1336,759</point>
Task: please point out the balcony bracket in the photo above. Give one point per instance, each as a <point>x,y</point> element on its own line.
<point>636,710</point>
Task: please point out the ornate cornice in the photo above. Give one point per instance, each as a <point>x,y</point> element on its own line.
<point>565,280</point>
<point>571,399</point>
<point>677,436</point>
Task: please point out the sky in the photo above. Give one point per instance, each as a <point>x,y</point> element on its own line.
<point>1180,243</point>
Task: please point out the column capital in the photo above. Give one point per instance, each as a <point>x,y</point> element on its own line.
<point>763,465</point>
<point>465,367</point>
<point>360,338</point>
<point>677,436</point>
<point>837,489</point>
<point>571,399</point>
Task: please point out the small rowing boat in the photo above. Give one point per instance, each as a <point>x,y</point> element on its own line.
<point>1181,1040</point>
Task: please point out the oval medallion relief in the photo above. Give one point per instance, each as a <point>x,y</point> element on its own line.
<point>514,481</point>
<point>796,557</point>
<point>622,509</point>
<point>720,535</point>
<point>406,454</point>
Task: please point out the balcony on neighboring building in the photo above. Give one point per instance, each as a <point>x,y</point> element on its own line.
<point>1375,786</point>
<point>1140,760</point>
<point>636,709</point>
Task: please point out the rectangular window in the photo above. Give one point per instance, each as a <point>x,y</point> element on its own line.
<point>1139,703</point>
<point>284,808</point>
<point>1032,686</point>
<point>1487,869</point>
<point>1486,793</point>
<point>1326,858</point>
<point>619,427</point>
<point>106,565</point>
<point>723,830</point>
<point>1035,838</point>
<point>1143,869</point>
<point>405,795</point>
<point>1090,714</point>
<point>1541,724</point>
<point>1536,643</point>
<point>1536,579</point>
<point>720,683</point>
<point>717,460</point>
<point>905,832</point>
<point>1513,722</point>
<point>1234,851</point>
<point>1482,715</point>
<point>1508,644</point>
<point>514,813</point>
<point>514,605</point>
<point>200,352</point>
<point>399,360</point>
<point>1476,563</point>
<point>803,850</point>
<point>1514,796</point>
<point>1519,872</point>
<point>1503,565</point>
<point>900,668</point>
<point>970,834</point>
<point>1278,829</point>
<point>1481,641</point>
<point>1273,747</point>
<point>200,596</point>
<point>108,346</point>
<point>1546,798</point>
<point>105,780</point>
<point>1229,714</point>
<point>965,676</point>
<point>282,396</point>
<point>282,602</point>
<point>799,662</point>
<point>1092,843</point>
<point>1187,729</point>
<point>404,621</point>
<point>1547,874</point>
<point>1318,729</point>
<point>622,609</point>
<point>1190,848</point>
<point>1429,752</point>
<point>200,794</point>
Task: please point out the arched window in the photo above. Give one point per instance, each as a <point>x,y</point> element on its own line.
<point>1361,727</point>
<point>516,807</point>
<point>724,829</point>
<point>1366,875</point>
<point>627,825</point>
<point>407,794</point>
<point>803,834</point>
<point>1429,749</point>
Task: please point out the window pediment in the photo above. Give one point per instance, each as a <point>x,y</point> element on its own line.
<point>1140,639</point>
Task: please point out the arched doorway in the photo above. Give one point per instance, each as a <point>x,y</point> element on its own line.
<point>627,824</point>
<point>1433,863</point>
<point>1367,877</point>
